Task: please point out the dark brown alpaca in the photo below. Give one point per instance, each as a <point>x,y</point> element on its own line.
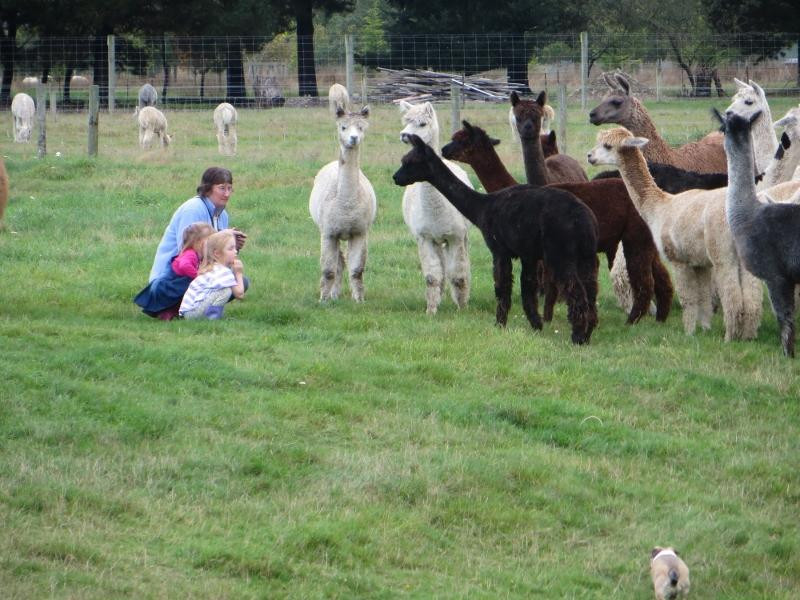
<point>539,170</point>
<point>531,223</point>
<point>617,219</point>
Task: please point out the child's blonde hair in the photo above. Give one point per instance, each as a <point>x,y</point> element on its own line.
<point>195,233</point>
<point>216,242</point>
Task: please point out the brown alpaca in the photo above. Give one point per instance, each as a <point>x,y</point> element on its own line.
<point>619,106</point>
<point>617,219</point>
<point>559,168</point>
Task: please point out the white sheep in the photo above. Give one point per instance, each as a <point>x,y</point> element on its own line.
<point>23,109</point>
<point>152,123</point>
<point>225,120</point>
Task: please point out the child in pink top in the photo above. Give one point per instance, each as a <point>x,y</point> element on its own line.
<point>162,296</point>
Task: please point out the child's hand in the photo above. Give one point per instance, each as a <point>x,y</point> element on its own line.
<point>237,267</point>
<point>240,238</point>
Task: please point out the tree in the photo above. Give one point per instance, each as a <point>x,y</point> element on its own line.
<point>510,19</point>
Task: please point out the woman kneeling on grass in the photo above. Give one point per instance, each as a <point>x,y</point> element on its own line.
<point>219,277</point>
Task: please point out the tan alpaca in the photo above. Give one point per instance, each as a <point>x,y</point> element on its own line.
<point>669,573</point>
<point>691,231</point>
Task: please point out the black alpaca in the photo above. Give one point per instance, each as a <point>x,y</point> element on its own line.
<point>675,180</point>
<point>767,236</point>
<point>527,222</point>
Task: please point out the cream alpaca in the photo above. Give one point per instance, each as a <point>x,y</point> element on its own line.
<point>440,230</point>
<point>343,205</point>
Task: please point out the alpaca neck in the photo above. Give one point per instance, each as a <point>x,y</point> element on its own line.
<point>467,201</point>
<point>642,188</point>
<point>532,155</point>
<point>349,171</point>
<point>492,172</point>
<point>640,124</point>
<point>780,169</point>
<point>765,141</point>
<point>740,197</point>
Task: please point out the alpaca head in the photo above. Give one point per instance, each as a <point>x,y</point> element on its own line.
<point>549,144</point>
<point>468,144</point>
<point>748,99</point>
<point>351,127</point>
<point>417,164</point>
<point>617,106</point>
<point>420,120</point>
<point>737,128</point>
<point>791,124</point>
<point>528,115</point>
<point>610,143</point>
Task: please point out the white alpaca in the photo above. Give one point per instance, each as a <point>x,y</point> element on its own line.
<point>22,110</point>
<point>440,230</point>
<point>225,120</point>
<point>784,166</point>
<point>343,205</point>
<point>690,230</point>
<point>748,100</point>
<point>152,124</point>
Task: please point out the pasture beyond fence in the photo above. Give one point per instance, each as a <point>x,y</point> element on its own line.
<point>192,71</point>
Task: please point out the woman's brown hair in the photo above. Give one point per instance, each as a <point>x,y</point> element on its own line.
<point>211,177</point>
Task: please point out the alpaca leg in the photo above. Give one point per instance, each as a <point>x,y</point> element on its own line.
<point>329,262</point>
<point>458,269</point>
<point>753,296</point>
<point>432,270</point>
<point>621,282</point>
<point>726,279</point>
<point>640,277</point>
<point>579,313</point>
<point>588,278</point>
<point>502,288</point>
<point>528,280</point>
<point>356,262</point>
<point>704,287</point>
<point>662,286</point>
<point>686,287</point>
<point>220,143</point>
<point>336,288</point>
<point>141,137</point>
<point>550,287</point>
<point>781,295</point>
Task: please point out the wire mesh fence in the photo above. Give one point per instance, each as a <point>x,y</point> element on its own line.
<point>199,71</point>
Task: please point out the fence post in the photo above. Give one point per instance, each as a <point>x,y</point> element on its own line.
<point>112,74</point>
<point>455,108</point>
<point>658,80</point>
<point>364,87</point>
<point>348,62</point>
<point>41,119</point>
<point>94,115</point>
<point>53,103</point>
<point>562,118</point>
<point>584,67</point>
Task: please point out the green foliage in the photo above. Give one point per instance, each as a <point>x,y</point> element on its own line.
<point>299,450</point>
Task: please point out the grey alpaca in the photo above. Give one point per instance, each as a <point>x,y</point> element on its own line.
<point>767,236</point>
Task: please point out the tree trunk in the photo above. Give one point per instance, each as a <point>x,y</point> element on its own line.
<point>100,66</point>
<point>202,84</point>
<point>306,70</point>
<point>718,83</point>
<point>67,82</point>
<point>702,82</point>
<point>8,46</point>
<point>236,91</point>
<point>166,69</point>
<point>517,65</point>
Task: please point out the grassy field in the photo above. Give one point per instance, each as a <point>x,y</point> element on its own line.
<point>299,450</point>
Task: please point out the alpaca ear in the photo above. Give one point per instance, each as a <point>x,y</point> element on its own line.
<point>739,83</point>
<point>624,85</point>
<point>365,111</point>
<point>404,106</point>
<point>428,108</point>
<point>514,98</point>
<point>634,142</point>
<point>610,81</point>
<point>718,116</point>
<point>467,125</point>
<point>788,120</point>
<point>552,136</point>
<point>541,100</point>
<point>339,112</point>
<point>758,89</point>
<point>495,141</point>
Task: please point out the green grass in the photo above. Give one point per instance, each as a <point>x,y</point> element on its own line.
<point>357,451</point>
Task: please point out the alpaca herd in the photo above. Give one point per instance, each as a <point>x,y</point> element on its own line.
<point>723,212</point>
